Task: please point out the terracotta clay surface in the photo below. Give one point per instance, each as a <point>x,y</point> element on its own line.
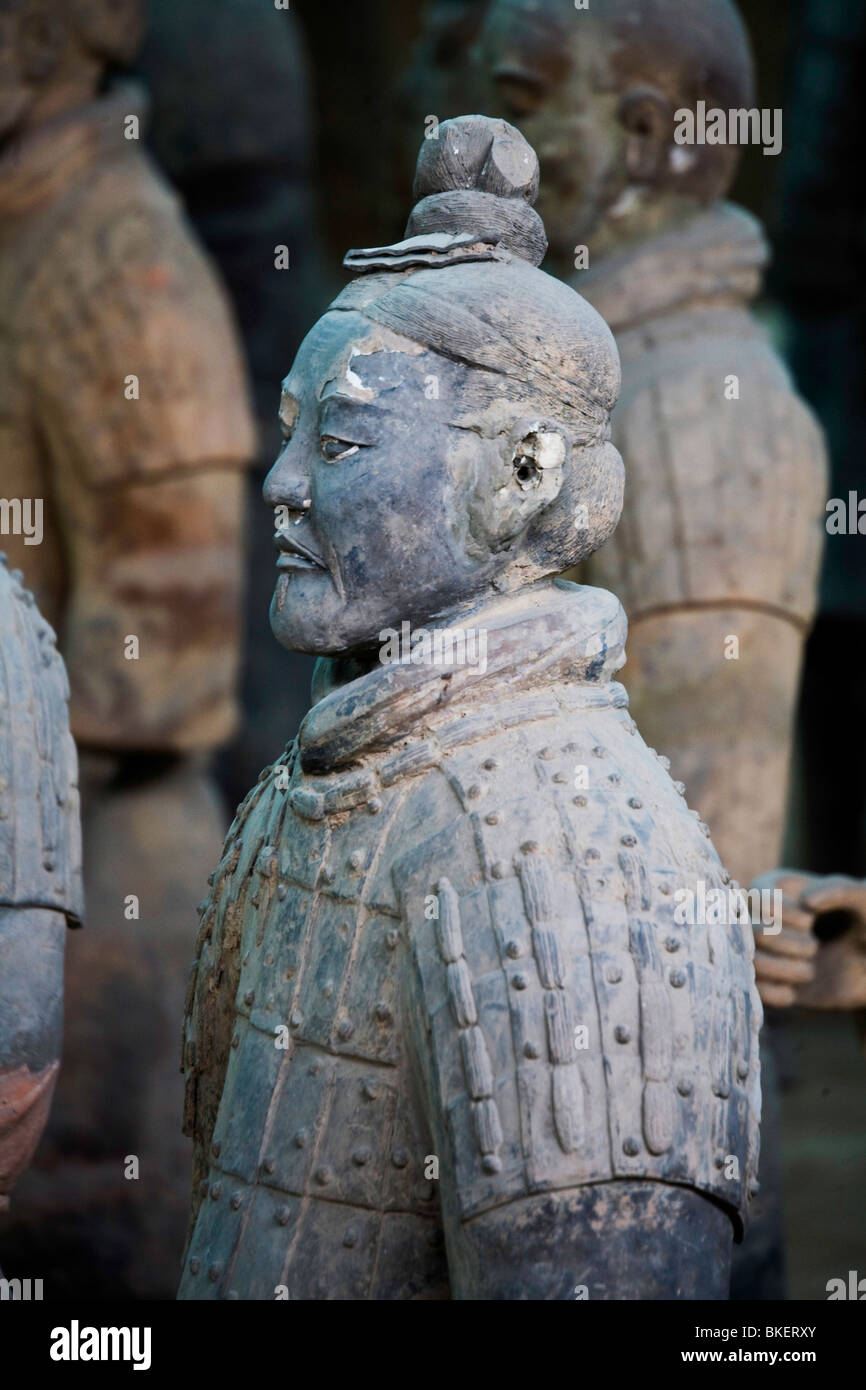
<point>722,523</point>
<point>123,414</point>
<point>444,1025</point>
<point>40,870</point>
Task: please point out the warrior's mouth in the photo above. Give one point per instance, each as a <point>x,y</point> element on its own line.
<point>294,554</point>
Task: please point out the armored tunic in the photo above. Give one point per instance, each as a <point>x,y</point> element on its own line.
<point>391,1028</point>
<point>40,870</point>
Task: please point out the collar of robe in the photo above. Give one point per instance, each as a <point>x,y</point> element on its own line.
<point>717,256</point>
<point>551,637</point>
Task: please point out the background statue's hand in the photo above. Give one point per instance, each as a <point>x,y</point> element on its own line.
<point>839,980</point>
<point>785,961</point>
<point>818,959</point>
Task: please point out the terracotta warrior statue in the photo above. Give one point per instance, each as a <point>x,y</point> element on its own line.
<point>716,558</point>
<point>445,1035</point>
<point>40,873</point>
<point>124,431</point>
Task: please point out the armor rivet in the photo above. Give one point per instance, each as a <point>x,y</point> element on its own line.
<point>754,1189</point>
<point>494,818</point>
<point>345,1029</point>
<point>314,855</point>
<point>235,1201</point>
<point>742,1070</point>
<point>474,792</point>
<point>356,859</point>
<point>512,949</point>
<point>374,805</point>
<point>621,1033</point>
<point>571,748</point>
<point>361,1157</point>
<point>560,777</point>
<point>315,1067</point>
<point>295,1019</point>
<point>399,1158</point>
<point>705,829</point>
<point>635,803</point>
<point>370,1090</point>
<point>323,1176</point>
<point>350,1239</point>
<point>391,939</point>
<point>269,960</point>
<point>327,875</point>
<point>194,1265</point>
<point>301,1138</point>
<point>210,879</point>
<point>665,762</point>
<point>678,978</point>
<point>48,863</point>
<point>719,1160</point>
<point>680,787</point>
<point>235,1040</point>
<point>215,1271</point>
<point>628,841</point>
<point>672,943</point>
<point>631,1147</point>
<point>579,800</point>
<point>490,765</point>
<point>270,1165</point>
<point>665,888</point>
<point>599,751</point>
<point>530,847</point>
<point>499,869</point>
<point>328,988</point>
<point>282,891</point>
<point>547,754</point>
<point>591,854</point>
<point>519,981</point>
<point>726,877</point>
<point>530,1050</point>
<point>249,997</point>
<point>685,1087</point>
<point>615,779</point>
<point>282,1216</point>
<point>383,1013</point>
<point>696,814</point>
<point>215,1191</point>
<point>614,974</point>
<point>491,1163</point>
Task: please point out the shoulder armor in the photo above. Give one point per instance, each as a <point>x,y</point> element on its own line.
<point>568,1030</point>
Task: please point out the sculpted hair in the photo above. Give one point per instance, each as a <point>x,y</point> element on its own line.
<point>465,284</point>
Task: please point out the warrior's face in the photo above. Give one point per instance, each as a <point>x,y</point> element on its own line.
<point>405,487</point>
<point>549,69</point>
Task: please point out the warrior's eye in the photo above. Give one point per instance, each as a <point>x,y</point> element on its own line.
<point>334,449</point>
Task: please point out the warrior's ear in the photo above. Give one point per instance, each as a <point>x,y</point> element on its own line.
<point>648,119</point>
<point>533,458</point>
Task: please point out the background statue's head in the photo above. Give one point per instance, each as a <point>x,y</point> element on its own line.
<point>595,91</point>
<point>446,421</point>
<point>53,55</point>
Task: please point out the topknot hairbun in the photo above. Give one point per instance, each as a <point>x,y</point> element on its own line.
<point>479,175</point>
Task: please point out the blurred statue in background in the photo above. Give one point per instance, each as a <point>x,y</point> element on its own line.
<point>124,432</point>
<point>232,125</point>
<point>716,558</point>
<point>40,877</point>
<point>444,1035</point>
